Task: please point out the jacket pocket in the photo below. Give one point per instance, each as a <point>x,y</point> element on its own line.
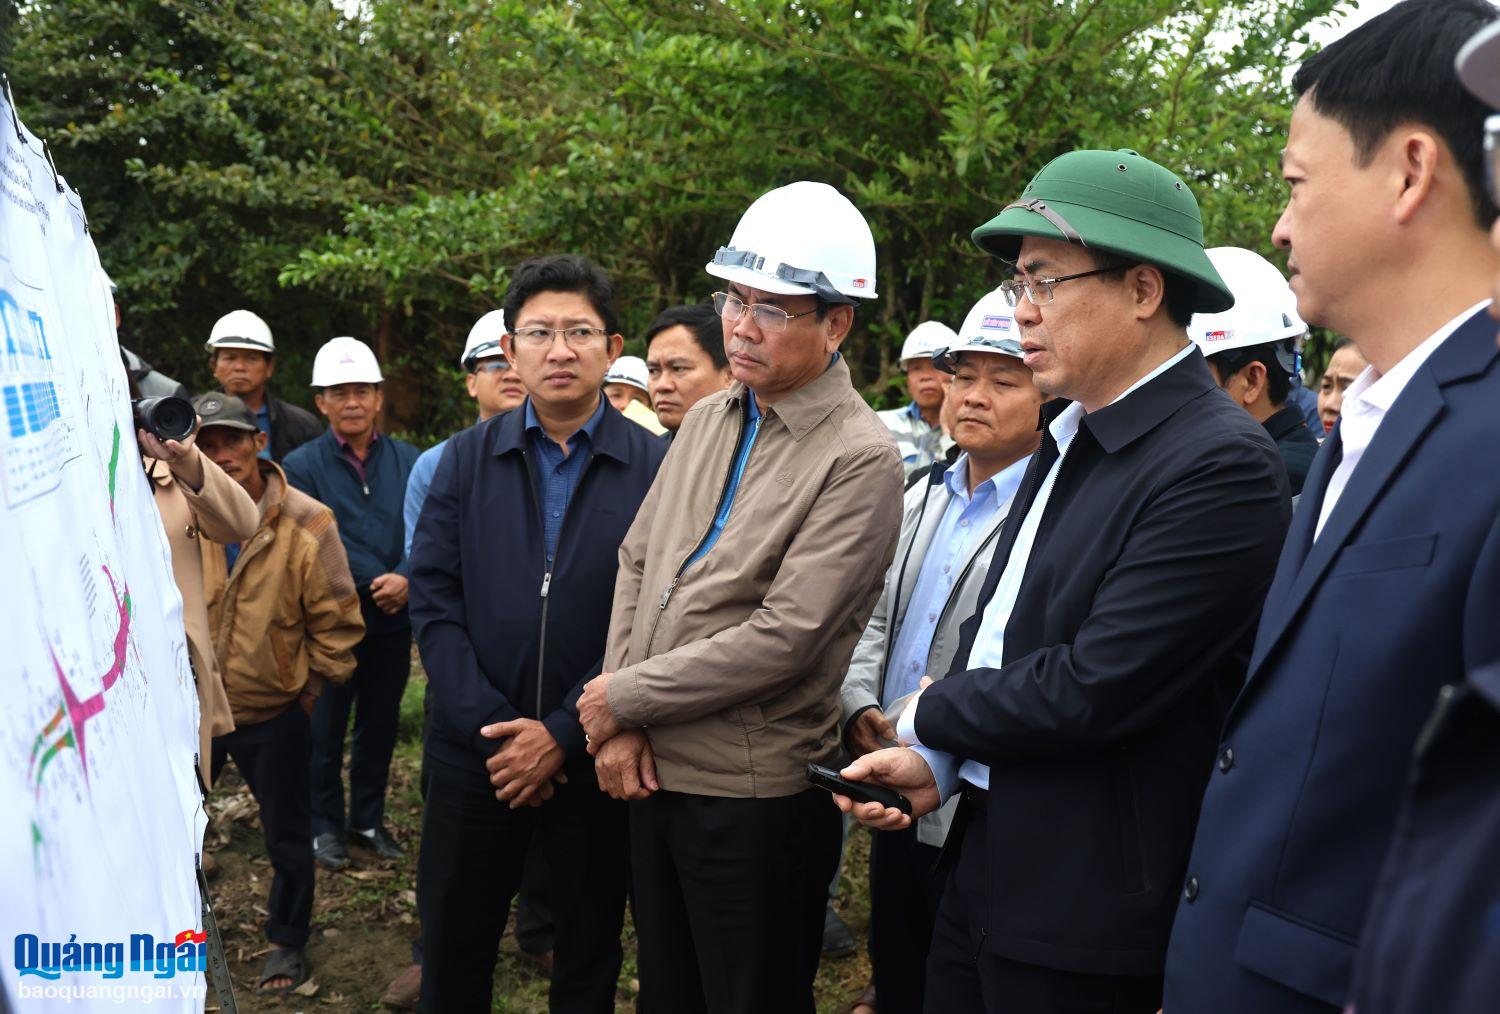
<point>1311,960</point>
<point>1128,822</point>
<point>281,637</point>
<point>1387,554</point>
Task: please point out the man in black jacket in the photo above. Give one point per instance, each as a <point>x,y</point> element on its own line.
<point>1083,707</point>
<point>243,357</point>
<point>549,490</point>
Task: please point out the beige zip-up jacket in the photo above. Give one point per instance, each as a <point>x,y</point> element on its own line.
<point>733,665</point>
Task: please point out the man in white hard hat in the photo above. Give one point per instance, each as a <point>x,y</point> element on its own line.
<point>744,583</point>
<point>1253,350</point>
<point>495,388</point>
<point>949,528</point>
<point>360,474</point>
<point>242,356</point>
<point>685,361</point>
<point>918,427</point>
<point>627,386</point>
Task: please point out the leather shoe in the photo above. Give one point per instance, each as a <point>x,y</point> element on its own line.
<point>378,841</point>
<point>838,942</point>
<point>329,851</point>
<point>405,989</point>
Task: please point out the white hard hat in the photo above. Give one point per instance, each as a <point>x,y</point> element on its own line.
<point>628,370</point>
<point>240,329</point>
<point>1264,310</point>
<point>345,361</point>
<point>989,327</point>
<point>484,339</point>
<point>1478,65</point>
<point>801,239</point>
<point>926,338</point>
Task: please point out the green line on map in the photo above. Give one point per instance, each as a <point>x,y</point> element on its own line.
<point>114,461</point>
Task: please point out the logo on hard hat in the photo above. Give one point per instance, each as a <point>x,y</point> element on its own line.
<point>996,323</point>
<point>860,283</point>
<point>347,358</point>
<point>1218,336</point>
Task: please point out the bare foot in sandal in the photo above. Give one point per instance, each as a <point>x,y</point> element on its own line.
<point>865,1002</point>
<point>285,969</point>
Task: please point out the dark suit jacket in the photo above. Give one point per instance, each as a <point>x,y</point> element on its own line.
<point>1360,630</point>
<point>1296,443</point>
<point>494,645</point>
<point>1432,938</point>
<point>1128,641</point>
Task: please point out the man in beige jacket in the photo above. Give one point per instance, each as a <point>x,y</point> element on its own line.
<point>743,586</point>
<point>285,618</point>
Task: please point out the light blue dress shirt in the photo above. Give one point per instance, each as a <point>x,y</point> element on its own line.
<point>988,650</point>
<point>417,485</point>
<point>943,563</point>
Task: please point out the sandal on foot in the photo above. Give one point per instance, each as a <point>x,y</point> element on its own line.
<point>282,962</point>
<point>864,1002</point>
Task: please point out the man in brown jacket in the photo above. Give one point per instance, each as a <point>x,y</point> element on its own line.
<point>743,586</point>
<point>285,618</point>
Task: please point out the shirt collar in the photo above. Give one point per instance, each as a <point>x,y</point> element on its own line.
<point>344,444</point>
<point>1143,405</point>
<point>1003,483</point>
<point>1377,391</point>
<point>589,429</point>
<point>811,403</point>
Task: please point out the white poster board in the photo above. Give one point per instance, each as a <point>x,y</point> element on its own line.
<point>100,811</point>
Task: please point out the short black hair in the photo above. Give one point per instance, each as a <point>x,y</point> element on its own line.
<point>702,321</point>
<point>1398,68</point>
<point>562,273</point>
<point>1278,383</point>
<point>1180,295</point>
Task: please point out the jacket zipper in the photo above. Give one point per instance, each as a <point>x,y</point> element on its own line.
<point>541,643</point>
<point>666,596</point>
<point>891,621</point>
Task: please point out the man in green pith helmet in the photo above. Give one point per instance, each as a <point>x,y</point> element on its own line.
<point>1079,718</point>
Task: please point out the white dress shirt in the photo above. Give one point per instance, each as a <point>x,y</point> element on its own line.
<point>1367,401</point>
<point>988,649</point>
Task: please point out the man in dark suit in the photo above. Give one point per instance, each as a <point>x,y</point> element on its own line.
<point>1115,624</point>
<point>1386,590</point>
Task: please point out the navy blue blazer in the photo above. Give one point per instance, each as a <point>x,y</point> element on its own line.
<point>1128,640</point>
<point>1431,941</point>
<point>499,638</point>
<point>1361,628</point>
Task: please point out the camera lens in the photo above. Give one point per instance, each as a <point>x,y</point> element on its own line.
<point>166,418</point>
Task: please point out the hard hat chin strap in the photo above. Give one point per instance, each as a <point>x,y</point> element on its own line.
<point>1040,207</point>
<point>729,257</point>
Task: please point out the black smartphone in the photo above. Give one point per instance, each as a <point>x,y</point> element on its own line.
<point>860,792</point>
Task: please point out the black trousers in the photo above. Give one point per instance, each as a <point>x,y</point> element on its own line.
<point>964,976</point>
<point>905,888</point>
<point>382,663</point>
<point>272,757</point>
<point>729,900</point>
<point>473,853</point>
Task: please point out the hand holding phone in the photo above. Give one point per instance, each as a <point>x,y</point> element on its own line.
<point>860,792</point>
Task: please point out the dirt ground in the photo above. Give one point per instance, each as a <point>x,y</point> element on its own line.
<point>365,918</point>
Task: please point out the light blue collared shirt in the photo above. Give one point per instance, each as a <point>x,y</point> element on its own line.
<point>988,650</point>
<point>943,563</point>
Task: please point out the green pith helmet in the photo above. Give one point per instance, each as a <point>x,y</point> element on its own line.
<point>1116,201</point>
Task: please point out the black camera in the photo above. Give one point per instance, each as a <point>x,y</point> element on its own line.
<point>168,418</point>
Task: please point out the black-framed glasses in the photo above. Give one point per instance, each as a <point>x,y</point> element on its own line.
<point>1492,156</point>
<point>1039,290</point>
<point>491,366</point>
<point>766,317</point>
<point>577,338</point>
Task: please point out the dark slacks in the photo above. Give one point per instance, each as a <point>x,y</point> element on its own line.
<point>963,975</point>
<point>473,853</point>
<point>905,888</point>
<point>729,900</point>
<point>382,663</point>
<point>272,757</point>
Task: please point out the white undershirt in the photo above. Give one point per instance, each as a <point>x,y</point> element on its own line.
<point>1367,401</point>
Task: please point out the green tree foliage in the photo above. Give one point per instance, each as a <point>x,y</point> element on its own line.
<point>378,168</point>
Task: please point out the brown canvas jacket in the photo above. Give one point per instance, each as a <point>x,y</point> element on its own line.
<point>734,665</point>
<point>287,618</point>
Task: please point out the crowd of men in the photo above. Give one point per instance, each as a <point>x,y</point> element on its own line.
<point>1188,679</point>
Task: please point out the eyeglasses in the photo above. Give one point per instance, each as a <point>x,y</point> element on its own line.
<point>491,366</point>
<point>765,316</point>
<point>1039,290</point>
<point>577,338</point>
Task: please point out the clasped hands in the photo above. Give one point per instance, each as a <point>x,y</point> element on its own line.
<point>622,757</point>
